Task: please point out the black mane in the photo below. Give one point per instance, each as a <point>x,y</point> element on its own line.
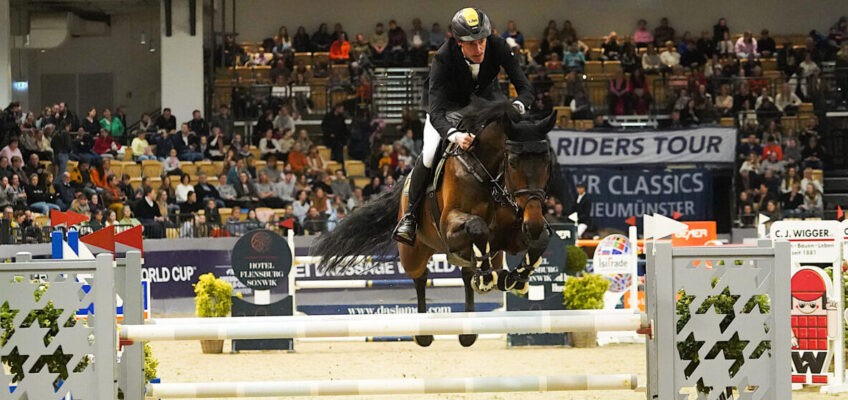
<point>481,112</point>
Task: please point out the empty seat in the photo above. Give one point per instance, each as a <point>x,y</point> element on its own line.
<point>354,168</point>
<point>151,168</point>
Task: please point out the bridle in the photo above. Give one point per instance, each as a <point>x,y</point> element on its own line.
<point>503,194</point>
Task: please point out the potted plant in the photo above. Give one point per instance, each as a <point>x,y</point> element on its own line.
<point>213,299</point>
<point>584,293</point>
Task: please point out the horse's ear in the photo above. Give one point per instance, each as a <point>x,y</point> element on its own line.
<point>545,125</point>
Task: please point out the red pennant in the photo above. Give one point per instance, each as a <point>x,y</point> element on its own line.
<point>839,213</point>
<point>631,221</point>
<point>74,218</point>
<point>131,237</point>
<point>103,239</point>
<point>677,215</point>
<point>58,218</point>
<point>289,223</point>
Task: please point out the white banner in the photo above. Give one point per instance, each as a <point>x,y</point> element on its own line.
<point>704,145</point>
<point>812,241</point>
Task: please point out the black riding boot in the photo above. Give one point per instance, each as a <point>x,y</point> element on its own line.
<point>406,227</point>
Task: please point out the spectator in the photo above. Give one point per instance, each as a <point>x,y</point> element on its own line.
<point>773,161</point>
<point>146,124</point>
<point>301,206</point>
<point>65,192</point>
<point>39,199</point>
<point>554,65</point>
<point>166,121</point>
<point>171,165</point>
<point>225,122</point>
<point>229,53</point>
<point>191,206</point>
<point>619,94</point>
<point>268,146</point>
<point>725,47</point>
<point>568,34</point>
<point>11,150</point>
<point>379,41</point>
<point>265,192</point>
<point>786,101</point>
<point>321,39</point>
<point>630,61</point>
<point>808,180</point>
<point>80,205</point>
<point>205,191</point>
<point>611,48</point>
<point>373,188</point>
<point>746,45</point>
<point>419,44</point>
<point>766,45</point>
<point>16,192</point>
<point>164,145</point>
<point>271,169</point>
<point>282,122</point>
<point>642,37</point>
<point>705,45</point>
<point>211,213</point>
<point>94,203</point>
<point>551,44</point>
<point>315,222</point>
<point>340,49</point>
<point>790,179</point>
<point>724,102</point>
<point>315,162</point>
<point>234,225</point>
<point>574,60</point>
<point>651,61</point>
<point>641,96</point>
<point>513,32</point>
<point>813,155</point>
<point>149,214</point>
<point>113,197</point>
<point>226,192</point>
<point>812,206</point>
<point>793,200</point>
<point>341,186</point>
<point>90,124</point>
<point>197,124</point>
<point>127,218</point>
<point>766,110</point>
<point>126,187</point>
<point>285,188</point>
<point>663,33</point>
<point>213,149</point>
<point>791,151</point>
<point>720,29</point>
<point>437,36</point>
<point>246,191</point>
<point>181,192</point>
<point>670,57</point>
<point>581,107</point>
<point>141,148</point>
<point>397,43</point>
<point>300,41</point>
<point>107,147</point>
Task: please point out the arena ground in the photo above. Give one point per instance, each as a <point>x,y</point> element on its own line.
<point>184,362</point>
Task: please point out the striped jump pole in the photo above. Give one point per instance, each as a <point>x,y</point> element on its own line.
<point>361,259</point>
<point>382,339</point>
<point>368,317</point>
<point>362,283</point>
<point>413,324</point>
<point>394,386</point>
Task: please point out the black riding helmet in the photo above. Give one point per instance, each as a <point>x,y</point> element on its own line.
<point>470,24</point>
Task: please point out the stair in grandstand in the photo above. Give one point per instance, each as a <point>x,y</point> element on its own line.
<point>395,89</point>
<point>835,191</point>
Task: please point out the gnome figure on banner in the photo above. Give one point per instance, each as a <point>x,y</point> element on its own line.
<point>813,325</point>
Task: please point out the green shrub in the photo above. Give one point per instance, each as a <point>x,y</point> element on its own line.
<point>576,259</point>
<point>585,293</point>
<point>213,297</point>
<point>151,364</point>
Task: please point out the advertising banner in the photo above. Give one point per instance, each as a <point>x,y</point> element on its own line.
<point>699,145</point>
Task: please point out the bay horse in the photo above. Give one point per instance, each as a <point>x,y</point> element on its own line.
<point>490,200</point>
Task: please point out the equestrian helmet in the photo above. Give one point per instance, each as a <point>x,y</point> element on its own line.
<point>470,24</point>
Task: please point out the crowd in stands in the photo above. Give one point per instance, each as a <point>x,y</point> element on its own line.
<point>225,183</point>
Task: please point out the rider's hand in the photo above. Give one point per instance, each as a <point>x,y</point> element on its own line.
<point>464,140</point>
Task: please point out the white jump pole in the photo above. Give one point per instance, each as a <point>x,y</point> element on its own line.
<point>515,323</point>
<point>394,386</point>
<point>371,317</point>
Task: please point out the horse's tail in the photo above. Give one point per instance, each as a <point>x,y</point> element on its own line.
<point>366,231</point>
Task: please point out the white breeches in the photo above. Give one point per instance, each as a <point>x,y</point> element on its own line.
<point>431,143</point>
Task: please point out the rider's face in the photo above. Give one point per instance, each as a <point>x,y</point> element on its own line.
<point>474,50</point>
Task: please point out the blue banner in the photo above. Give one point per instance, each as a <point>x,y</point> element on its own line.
<point>616,195</point>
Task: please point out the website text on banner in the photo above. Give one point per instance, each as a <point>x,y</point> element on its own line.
<point>701,145</point>
<point>616,195</point>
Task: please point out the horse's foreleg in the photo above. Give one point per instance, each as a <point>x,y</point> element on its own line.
<point>420,291</point>
<point>465,230</point>
<point>467,275</point>
<point>518,279</point>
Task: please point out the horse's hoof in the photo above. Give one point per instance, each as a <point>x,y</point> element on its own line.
<point>483,283</point>
<point>467,340</point>
<point>423,340</point>
<point>520,289</point>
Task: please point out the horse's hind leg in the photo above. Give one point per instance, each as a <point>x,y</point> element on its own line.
<point>420,291</point>
<point>414,260</point>
<point>467,274</point>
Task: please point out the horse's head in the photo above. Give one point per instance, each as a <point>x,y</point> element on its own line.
<point>528,166</point>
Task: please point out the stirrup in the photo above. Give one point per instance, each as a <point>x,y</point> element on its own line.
<point>405,230</point>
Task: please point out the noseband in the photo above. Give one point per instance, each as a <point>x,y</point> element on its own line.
<point>519,148</point>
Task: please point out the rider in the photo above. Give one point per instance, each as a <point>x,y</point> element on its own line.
<point>466,64</point>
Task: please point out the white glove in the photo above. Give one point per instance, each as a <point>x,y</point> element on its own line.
<point>519,106</point>
<point>463,139</point>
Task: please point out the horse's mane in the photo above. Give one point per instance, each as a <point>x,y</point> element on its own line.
<point>481,112</point>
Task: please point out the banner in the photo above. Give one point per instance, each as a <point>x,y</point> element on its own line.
<point>616,195</point>
<point>699,145</point>
<point>698,234</point>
